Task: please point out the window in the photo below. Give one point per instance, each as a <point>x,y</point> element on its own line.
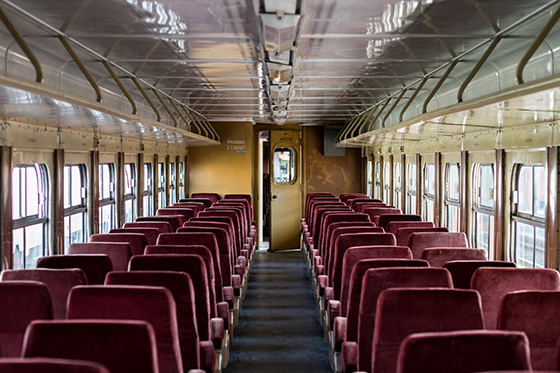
<point>397,185</point>
<point>483,208</point>
<point>429,192</point>
<point>411,190</point>
<point>161,185</point>
<point>147,190</point>
<point>451,201</point>
<point>106,197</point>
<point>529,202</point>
<point>172,190</point>
<point>377,180</point>
<point>75,204</point>
<point>129,192</point>
<point>29,212</point>
<point>369,178</point>
<point>181,183</point>
<point>386,182</point>
<point>284,165</point>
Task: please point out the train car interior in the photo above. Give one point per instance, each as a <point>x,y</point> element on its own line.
<point>211,186</point>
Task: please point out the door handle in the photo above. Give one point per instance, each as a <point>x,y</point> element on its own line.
<point>275,196</point>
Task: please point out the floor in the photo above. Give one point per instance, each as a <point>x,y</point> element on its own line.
<point>279,329</point>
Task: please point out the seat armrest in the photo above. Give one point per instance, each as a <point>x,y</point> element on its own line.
<point>228,295</point>
<point>339,332</point>
<point>333,310</point>
<point>223,313</point>
<point>329,294</point>
<point>320,270</point>
<point>349,353</point>
<point>207,356</point>
<point>322,282</point>
<point>236,284</point>
<point>217,332</point>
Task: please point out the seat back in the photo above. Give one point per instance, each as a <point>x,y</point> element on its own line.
<point>20,303</point>
<point>123,346</point>
<point>393,226</point>
<point>419,241</point>
<point>206,201</point>
<point>195,206</point>
<point>119,252</point>
<point>181,287</point>
<point>152,304</point>
<point>174,221</point>
<point>150,233</point>
<point>185,212</point>
<point>404,311</point>
<point>385,219</point>
<point>536,314</point>
<point>362,206</point>
<point>138,241</point>
<point>213,197</point>
<point>462,270</point>
<point>163,226</point>
<point>331,219</point>
<point>464,352</point>
<point>375,212</point>
<point>328,250</point>
<point>494,283</point>
<point>95,266</point>
<point>438,256</point>
<point>49,365</point>
<point>194,266</point>
<point>58,281</point>
<point>403,234</point>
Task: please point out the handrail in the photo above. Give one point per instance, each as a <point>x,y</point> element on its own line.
<point>379,112</point>
<point>165,107</point>
<point>404,90</point>
<point>148,99</point>
<point>121,86</point>
<point>179,113</point>
<point>409,102</point>
<point>438,86</point>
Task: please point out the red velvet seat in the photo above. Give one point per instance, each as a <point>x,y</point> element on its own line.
<point>185,212</point>
<point>95,266</point>
<point>58,281</point>
<point>463,352</point>
<point>494,283</point>
<point>154,305</point>
<point>403,234</point>
<point>49,365</point>
<point>419,241</point>
<point>401,312</point>
<point>242,203</point>
<point>363,330</point>
<point>119,252</point>
<point>195,206</point>
<point>20,303</point>
<point>195,267</point>
<point>226,216</point>
<point>362,206</point>
<point>175,221</point>
<point>123,346</point>
<point>237,216</point>
<point>181,287</point>
<point>375,212</point>
<point>150,233</point>
<point>438,256</point>
<point>462,270</point>
<point>205,201</point>
<point>207,222</point>
<point>163,226</point>
<point>213,197</point>
<point>536,314</point>
<point>385,219</point>
<point>138,241</point>
<point>346,196</point>
<point>393,226</point>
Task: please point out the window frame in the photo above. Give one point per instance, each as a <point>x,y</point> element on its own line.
<point>161,185</point>
<point>108,201</point>
<point>386,182</point>
<point>132,195</point>
<point>77,209</point>
<point>427,197</point>
<point>411,191</point>
<point>172,170</point>
<point>397,184</point>
<point>147,194</point>
<point>477,208</point>
<point>181,180</point>
<point>450,202</point>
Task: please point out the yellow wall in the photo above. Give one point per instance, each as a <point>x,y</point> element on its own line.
<point>223,169</point>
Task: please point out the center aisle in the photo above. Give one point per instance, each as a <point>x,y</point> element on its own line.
<point>279,328</point>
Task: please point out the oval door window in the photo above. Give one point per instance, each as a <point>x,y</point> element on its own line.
<point>284,165</point>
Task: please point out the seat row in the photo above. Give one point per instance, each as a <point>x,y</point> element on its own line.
<point>375,294</point>
<point>182,273</point>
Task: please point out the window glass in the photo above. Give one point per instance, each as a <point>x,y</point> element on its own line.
<point>386,182</point>
<point>525,190</point>
<point>377,190</point>
<point>29,204</point>
<point>284,165</point>
<point>181,180</point>
<point>161,186</point>
<point>129,192</point>
<point>75,204</point>
<point>487,186</point>
<point>451,201</point>
<point>369,177</point>
<point>147,200</point>
<point>452,184</point>
<point>482,201</point>
<point>429,192</point>
<point>106,197</point>
<point>172,181</point>
<point>411,190</point>
<point>397,185</point>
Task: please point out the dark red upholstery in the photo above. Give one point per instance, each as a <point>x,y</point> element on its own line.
<point>150,233</point>
<point>185,212</point>
<point>175,221</point>
<point>195,206</point>
<point>403,234</point>
<point>229,217</point>
<point>163,226</point>
<point>462,270</point>
<point>20,303</point>
<point>394,225</point>
<point>401,312</point>
<point>154,305</point>
<point>213,197</point>
<point>494,283</point>
<point>385,219</point>
<point>536,314</point>
<point>204,223</point>
<point>207,202</point>
<point>463,352</point>
<point>346,196</point>
<point>119,252</point>
<point>243,203</point>
<point>138,241</point>
<point>195,267</point>
<point>438,256</point>
<point>199,250</point>
<point>48,365</point>
<point>123,346</point>
<point>420,241</point>
<point>361,206</point>
<point>181,287</point>
<point>319,218</point>
<point>95,266</point>
<point>59,282</point>
<point>329,225</point>
<point>375,212</point>
<point>337,232</point>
